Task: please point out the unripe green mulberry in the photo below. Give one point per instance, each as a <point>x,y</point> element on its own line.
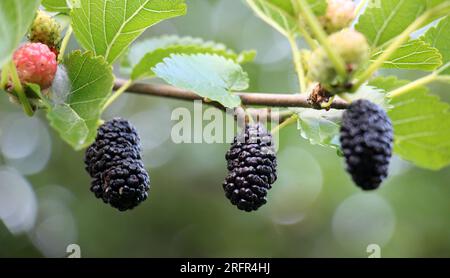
<point>46,30</point>
<point>352,46</point>
<point>340,13</point>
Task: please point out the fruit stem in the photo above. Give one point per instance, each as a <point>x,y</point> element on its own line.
<point>328,103</point>
<point>43,99</point>
<point>5,77</point>
<point>322,37</point>
<point>360,6</point>
<point>65,43</point>
<point>309,40</point>
<point>247,114</point>
<point>413,85</point>
<point>284,124</point>
<point>301,28</point>
<point>18,88</point>
<point>298,63</point>
<point>397,43</point>
<point>117,94</point>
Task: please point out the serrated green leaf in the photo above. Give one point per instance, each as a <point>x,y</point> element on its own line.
<point>209,76</point>
<point>15,19</point>
<point>279,17</point>
<point>108,27</point>
<point>280,14</point>
<point>72,128</point>
<point>386,19</point>
<point>91,83</point>
<point>319,7</point>
<point>372,94</point>
<point>413,55</point>
<point>439,37</point>
<point>383,20</point>
<point>57,6</point>
<point>144,55</point>
<point>421,128</point>
<point>320,127</point>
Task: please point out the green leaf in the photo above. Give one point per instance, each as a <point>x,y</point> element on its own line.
<point>279,16</point>
<point>439,37</point>
<point>319,7</point>
<point>144,55</point>
<point>385,19</point>
<point>76,117</point>
<point>421,126</point>
<point>372,94</point>
<point>413,55</point>
<point>16,17</point>
<point>320,127</point>
<point>72,128</point>
<point>209,76</point>
<point>57,6</point>
<point>108,27</point>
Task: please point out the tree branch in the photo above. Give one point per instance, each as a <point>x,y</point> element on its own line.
<point>248,99</point>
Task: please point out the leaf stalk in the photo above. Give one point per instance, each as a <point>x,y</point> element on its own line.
<point>413,85</point>
<point>298,63</point>
<point>125,85</point>
<point>284,124</point>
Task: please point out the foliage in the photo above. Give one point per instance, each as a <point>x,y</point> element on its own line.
<point>15,17</point>
<point>106,31</point>
<point>422,133</point>
<point>210,76</point>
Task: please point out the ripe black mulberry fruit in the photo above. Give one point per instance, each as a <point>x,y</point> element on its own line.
<point>252,168</point>
<point>366,139</point>
<point>115,165</point>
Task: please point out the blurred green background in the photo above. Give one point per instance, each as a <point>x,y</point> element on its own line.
<point>314,210</point>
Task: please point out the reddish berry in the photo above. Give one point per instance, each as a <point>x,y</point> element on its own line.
<point>36,63</point>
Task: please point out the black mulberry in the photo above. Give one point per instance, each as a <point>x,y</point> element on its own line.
<point>252,168</point>
<point>114,162</point>
<point>366,139</point>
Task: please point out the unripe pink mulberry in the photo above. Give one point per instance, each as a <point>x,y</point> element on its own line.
<point>36,63</point>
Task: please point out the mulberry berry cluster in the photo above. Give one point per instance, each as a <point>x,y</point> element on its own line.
<point>36,61</point>
<point>252,168</point>
<point>366,139</point>
<point>115,165</point>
